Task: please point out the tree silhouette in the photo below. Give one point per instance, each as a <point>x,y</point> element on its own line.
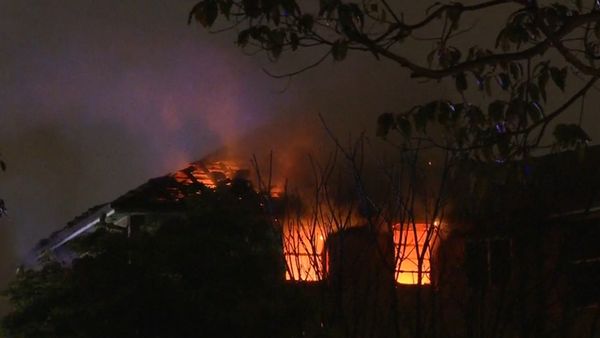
<point>501,109</point>
<point>215,271</point>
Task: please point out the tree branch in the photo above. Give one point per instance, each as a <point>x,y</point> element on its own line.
<point>572,59</point>
<point>538,49</point>
<point>548,118</point>
<point>313,65</point>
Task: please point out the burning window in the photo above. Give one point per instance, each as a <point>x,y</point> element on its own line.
<point>303,248</point>
<point>413,243</point>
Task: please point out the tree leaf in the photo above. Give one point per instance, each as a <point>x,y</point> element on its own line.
<point>275,15</point>
<point>346,20</point>
<point>294,41</point>
<point>453,14</point>
<point>503,81</point>
<point>225,7</point>
<point>559,76</point>
<point>570,135</point>
<point>276,39</point>
<point>289,7</point>
<point>516,70</point>
<point>516,114</point>
<point>496,110</point>
<point>275,51</point>
<point>597,30</point>
<point>487,85</point>
<point>535,111</point>
<point>456,113</point>
<point>306,22</point>
<point>357,13</point>
<point>503,145</point>
<point>385,122</point>
<point>192,13</point>
<point>444,113</point>
<point>425,114</point>
<point>475,116</point>
<point>533,91</point>
<point>542,81</point>
<point>339,50</point>
<point>251,8</point>
<point>461,82</point>
<point>404,126</point>
<point>243,37</point>
<point>449,56</point>
<point>205,12</point>
<point>327,7</point>
<point>430,57</point>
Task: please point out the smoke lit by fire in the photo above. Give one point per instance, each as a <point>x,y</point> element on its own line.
<point>304,238</point>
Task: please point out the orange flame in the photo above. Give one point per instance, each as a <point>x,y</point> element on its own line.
<point>411,252</point>
<point>304,241</point>
<point>303,249</point>
<point>209,173</point>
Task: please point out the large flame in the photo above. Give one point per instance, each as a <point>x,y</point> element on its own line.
<point>304,240</point>
<point>207,173</point>
<point>303,250</point>
<point>413,243</point>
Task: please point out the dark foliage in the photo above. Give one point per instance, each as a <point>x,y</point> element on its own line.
<point>216,272</point>
<point>501,109</point>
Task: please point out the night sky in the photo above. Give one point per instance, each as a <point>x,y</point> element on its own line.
<point>96,97</point>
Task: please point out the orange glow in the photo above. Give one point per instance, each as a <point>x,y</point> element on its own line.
<point>409,245</point>
<point>302,243</point>
<point>276,192</point>
<point>303,248</point>
<point>303,240</point>
<point>207,173</point>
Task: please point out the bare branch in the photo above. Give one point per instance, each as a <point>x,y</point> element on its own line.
<point>301,70</point>
<point>538,49</point>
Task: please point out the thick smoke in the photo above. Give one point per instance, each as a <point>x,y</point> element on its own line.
<point>99,96</point>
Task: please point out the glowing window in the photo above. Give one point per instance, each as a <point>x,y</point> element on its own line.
<point>410,242</point>
<point>303,248</point>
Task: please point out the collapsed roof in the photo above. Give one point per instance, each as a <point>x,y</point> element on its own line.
<point>166,193</point>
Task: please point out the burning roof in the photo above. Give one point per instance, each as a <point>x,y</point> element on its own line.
<point>166,193</point>
<point>161,194</point>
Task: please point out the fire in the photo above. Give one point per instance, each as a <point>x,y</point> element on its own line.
<point>411,243</point>
<point>207,173</point>
<point>304,246</point>
<point>303,240</point>
<point>303,250</point>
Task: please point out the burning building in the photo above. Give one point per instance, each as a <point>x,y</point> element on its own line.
<point>521,238</point>
<point>304,237</point>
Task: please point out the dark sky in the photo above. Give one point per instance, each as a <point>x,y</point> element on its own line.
<point>96,97</point>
